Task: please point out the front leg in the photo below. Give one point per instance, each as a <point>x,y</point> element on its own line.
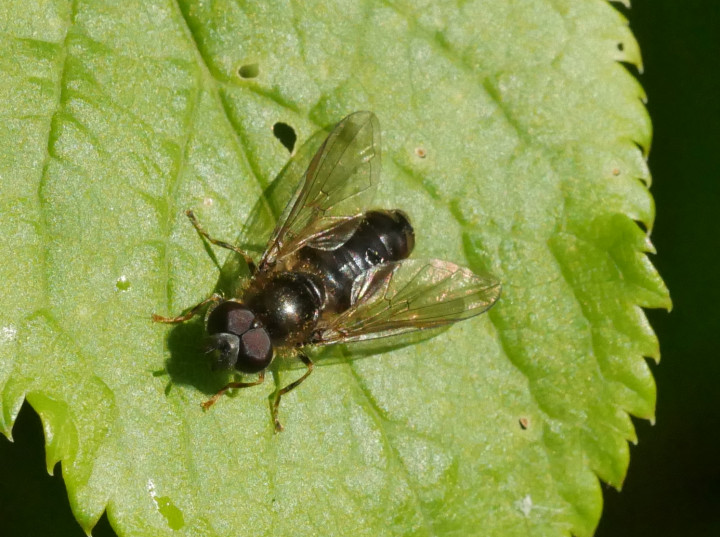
<point>249,260</point>
<point>192,312</point>
<point>210,402</point>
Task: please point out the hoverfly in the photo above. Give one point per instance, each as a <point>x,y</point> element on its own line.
<point>334,271</point>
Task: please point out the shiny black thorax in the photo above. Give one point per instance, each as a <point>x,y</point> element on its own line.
<point>282,308</point>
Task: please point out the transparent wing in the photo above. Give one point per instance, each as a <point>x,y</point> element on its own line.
<point>338,185</point>
<point>399,297</point>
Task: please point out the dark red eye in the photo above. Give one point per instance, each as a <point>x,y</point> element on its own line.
<point>230,317</point>
<point>255,351</point>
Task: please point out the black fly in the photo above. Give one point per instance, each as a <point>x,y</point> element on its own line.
<point>334,271</point>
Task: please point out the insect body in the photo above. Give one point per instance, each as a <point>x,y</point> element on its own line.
<point>334,272</point>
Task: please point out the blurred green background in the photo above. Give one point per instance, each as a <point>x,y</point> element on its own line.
<point>673,485</point>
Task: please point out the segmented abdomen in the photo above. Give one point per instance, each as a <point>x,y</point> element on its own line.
<point>381,237</point>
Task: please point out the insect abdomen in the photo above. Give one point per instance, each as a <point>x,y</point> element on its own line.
<point>381,237</point>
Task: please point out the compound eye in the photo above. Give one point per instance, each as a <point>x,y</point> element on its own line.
<point>226,349</point>
<point>230,317</point>
<point>255,352</point>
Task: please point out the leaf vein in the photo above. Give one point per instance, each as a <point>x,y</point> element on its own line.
<point>380,418</point>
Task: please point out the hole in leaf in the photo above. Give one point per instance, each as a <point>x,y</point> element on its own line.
<point>250,70</point>
<point>621,47</point>
<point>286,134</point>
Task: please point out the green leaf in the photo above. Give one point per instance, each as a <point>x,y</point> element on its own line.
<point>511,136</point>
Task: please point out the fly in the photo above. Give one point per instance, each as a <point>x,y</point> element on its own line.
<point>334,271</point>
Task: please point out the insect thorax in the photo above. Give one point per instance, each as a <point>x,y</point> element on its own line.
<point>288,304</point>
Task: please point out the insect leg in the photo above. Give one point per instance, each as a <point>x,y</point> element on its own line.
<point>192,312</point>
<point>202,232</point>
<point>292,385</point>
<point>210,402</point>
